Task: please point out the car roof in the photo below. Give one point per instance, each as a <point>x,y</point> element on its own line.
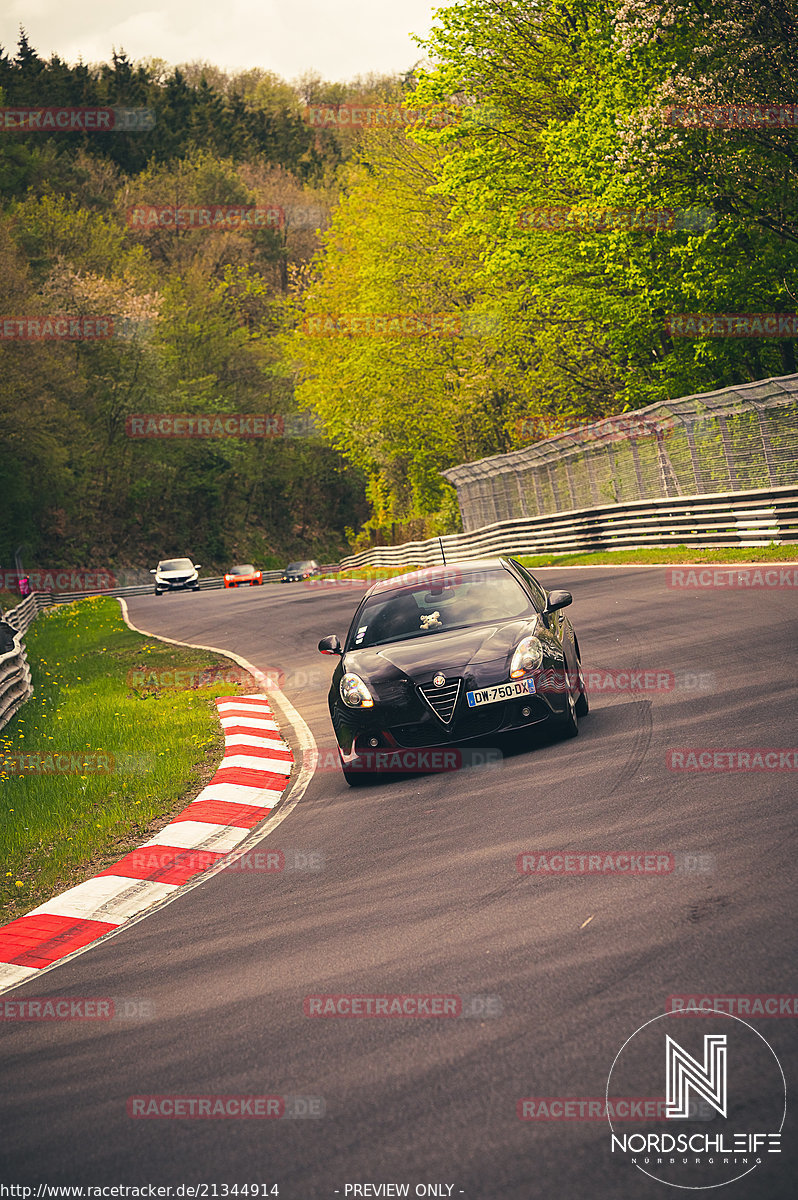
<point>438,573</point>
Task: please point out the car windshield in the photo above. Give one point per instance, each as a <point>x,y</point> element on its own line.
<point>176,564</point>
<point>476,598</point>
<point>247,569</point>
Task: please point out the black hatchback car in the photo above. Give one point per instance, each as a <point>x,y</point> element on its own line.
<point>447,655</point>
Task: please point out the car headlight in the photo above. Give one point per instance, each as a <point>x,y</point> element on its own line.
<point>528,655</point>
<point>354,692</point>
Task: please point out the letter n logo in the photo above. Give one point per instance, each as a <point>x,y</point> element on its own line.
<point>683,1072</point>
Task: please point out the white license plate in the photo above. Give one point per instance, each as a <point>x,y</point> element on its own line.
<point>502,691</point>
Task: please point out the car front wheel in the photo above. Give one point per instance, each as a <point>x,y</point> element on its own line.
<point>582,702</point>
<point>570,727</point>
<point>360,778</point>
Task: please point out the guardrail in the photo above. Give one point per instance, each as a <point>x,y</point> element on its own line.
<point>28,610</point>
<point>754,518</point>
<point>15,685</point>
<point>138,589</point>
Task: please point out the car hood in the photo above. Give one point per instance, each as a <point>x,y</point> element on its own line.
<point>452,653</point>
<point>184,574</point>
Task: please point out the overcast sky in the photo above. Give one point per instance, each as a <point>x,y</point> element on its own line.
<point>337,38</point>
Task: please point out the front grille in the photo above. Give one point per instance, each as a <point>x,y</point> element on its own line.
<point>442,700</point>
<point>477,722</point>
<point>415,736</point>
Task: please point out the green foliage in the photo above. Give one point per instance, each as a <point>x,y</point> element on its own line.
<point>556,104</point>
<point>552,104</point>
<point>198,317</point>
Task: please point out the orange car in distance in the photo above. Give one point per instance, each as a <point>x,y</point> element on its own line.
<point>243,574</point>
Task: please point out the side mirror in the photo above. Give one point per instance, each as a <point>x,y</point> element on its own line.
<point>558,600</point>
<point>197,566</point>
<point>330,645</point>
<point>153,571</point>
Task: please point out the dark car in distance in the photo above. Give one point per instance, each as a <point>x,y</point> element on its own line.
<point>295,572</point>
<point>448,655</point>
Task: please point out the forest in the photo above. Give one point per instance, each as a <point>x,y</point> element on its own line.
<point>400,273</point>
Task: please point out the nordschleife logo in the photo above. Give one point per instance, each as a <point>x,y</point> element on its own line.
<point>725,1099</point>
<point>684,1074</point>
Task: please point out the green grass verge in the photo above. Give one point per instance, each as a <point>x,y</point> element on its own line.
<point>652,556</point>
<point>163,744</point>
<point>9,600</point>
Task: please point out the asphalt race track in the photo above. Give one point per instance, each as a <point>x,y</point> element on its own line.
<point>416,891</point>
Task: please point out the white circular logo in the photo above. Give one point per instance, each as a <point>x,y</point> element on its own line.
<point>707,1098</point>
<point>439,680</point>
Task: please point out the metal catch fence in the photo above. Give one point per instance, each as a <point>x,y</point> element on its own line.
<point>739,439</point>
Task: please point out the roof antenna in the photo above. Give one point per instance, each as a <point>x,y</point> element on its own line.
<point>443,556</point>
